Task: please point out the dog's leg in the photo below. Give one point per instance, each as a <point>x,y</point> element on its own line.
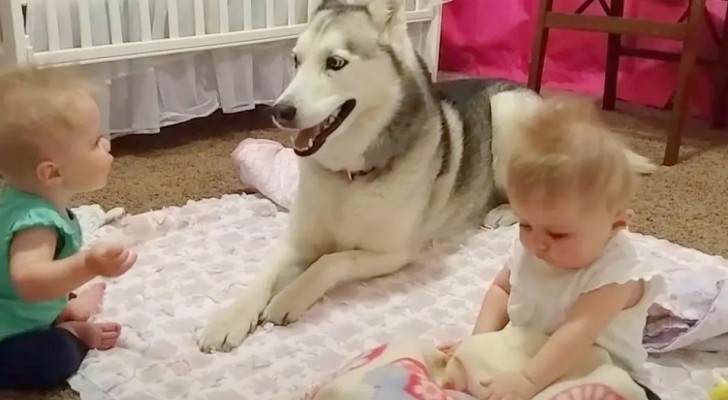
<point>500,216</point>
<point>326,273</point>
<point>229,326</point>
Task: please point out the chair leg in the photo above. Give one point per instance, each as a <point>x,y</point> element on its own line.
<point>538,53</point>
<point>687,65</point>
<point>614,45</point>
<point>720,100</point>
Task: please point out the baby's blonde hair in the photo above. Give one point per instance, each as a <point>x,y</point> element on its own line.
<point>38,108</point>
<point>567,148</point>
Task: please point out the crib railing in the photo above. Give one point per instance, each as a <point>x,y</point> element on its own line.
<point>160,28</point>
<point>12,32</point>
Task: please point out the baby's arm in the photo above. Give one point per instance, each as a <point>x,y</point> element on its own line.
<point>589,316</point>
<point>493,314</point>
<point>35,274</point>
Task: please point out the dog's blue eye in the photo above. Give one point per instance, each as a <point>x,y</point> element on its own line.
<point>335,63</point>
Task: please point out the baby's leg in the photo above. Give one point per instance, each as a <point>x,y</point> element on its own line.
<point>85,304</point>
<point>649,393</point>
<point>40,359</point>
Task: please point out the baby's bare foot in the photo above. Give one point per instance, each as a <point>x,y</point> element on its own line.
<point>90,299</point>
<point>96,335</point>
<point>85,304</point>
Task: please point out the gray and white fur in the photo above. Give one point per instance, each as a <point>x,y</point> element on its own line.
<point>410,163</point>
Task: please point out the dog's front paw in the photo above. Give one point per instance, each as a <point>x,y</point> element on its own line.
<point>285,308</point>
<point>228,328</point>
<point>500,216</point>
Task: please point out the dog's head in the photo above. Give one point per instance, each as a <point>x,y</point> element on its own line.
<point>348,63</point>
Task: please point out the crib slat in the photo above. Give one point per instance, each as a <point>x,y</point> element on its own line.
<point>54,40</point>
<point>115,22</point>
<point>291,12</point>
<point>224,19</point>
<point>145,20</point>
<point>173,19</point>
<point>84,22</point>
<point>418,5</point>
<point>160,14</point>
<point>199,18</point>
<point>247,15</point>
<point>270,14</point>
<point>15,46</point>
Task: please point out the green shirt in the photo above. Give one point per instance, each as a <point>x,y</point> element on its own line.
<point>20,211</point>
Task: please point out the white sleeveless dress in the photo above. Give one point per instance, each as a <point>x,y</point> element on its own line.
<point>541,296</point>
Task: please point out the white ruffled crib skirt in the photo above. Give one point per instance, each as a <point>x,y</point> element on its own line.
<point>143,95</point>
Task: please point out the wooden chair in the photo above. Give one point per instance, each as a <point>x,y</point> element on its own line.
<point>720,101</point>
<point>686,30</point>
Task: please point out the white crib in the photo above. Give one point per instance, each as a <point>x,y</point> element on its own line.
<point>113,35</point>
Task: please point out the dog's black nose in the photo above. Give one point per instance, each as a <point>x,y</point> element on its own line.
<point>284,112</point>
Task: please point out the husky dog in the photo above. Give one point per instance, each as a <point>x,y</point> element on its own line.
<point>389,162</point>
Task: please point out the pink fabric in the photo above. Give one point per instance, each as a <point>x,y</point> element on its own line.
<point>494,38</point>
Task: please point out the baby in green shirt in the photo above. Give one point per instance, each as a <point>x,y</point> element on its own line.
<point>51,148</point>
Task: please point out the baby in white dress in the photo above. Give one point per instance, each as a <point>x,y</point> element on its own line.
<point>573,274</point>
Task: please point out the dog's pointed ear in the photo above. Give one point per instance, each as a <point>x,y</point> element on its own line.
<point>389,16</point>
<point>323,4</point>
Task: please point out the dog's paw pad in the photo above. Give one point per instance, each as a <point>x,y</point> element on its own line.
<point>282,310</point>
<point>226,330</point>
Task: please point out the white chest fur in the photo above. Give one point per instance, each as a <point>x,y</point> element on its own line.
<point>375,214</point>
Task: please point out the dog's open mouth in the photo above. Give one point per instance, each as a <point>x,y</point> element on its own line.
<point>308,141</point>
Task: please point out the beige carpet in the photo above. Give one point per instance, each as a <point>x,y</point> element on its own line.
<point>685,203</point>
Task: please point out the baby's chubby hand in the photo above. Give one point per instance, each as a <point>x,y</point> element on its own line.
<point>448,348</point>
<point>109,260</point>
<point>509,386</point>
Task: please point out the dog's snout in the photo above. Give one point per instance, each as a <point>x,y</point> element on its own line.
<point>284,112</point>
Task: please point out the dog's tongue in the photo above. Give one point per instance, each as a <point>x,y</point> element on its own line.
<point>304,136</point>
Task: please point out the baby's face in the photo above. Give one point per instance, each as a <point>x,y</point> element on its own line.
<point>565,231</point>
<point>86,162</point>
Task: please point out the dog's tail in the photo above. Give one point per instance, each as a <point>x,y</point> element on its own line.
<point>641,164</point>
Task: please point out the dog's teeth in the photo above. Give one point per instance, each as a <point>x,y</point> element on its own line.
<point>310,142</point>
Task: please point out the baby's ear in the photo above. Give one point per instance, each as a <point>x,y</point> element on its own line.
<point>624,217</point>
<point>48,174</point>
